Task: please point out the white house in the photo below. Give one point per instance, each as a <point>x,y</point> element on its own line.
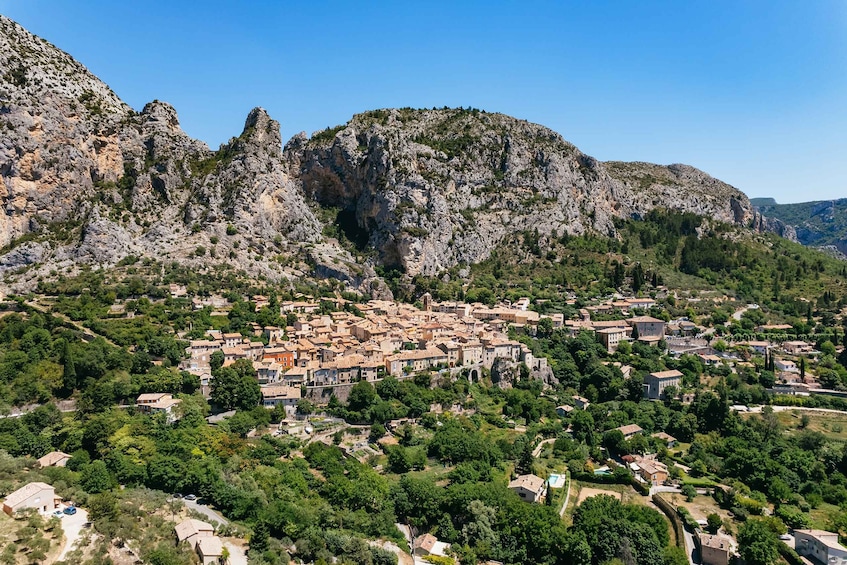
<point>821,545</point>
<point>530,488</point>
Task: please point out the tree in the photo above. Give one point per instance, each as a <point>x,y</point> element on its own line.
<point>689,492</point>
<point>362,396</point>
<point>713,523</point>
<point>216,361</point>
<point>758,543</point>
<point>526,459</point>
<point>236,387</point>
<point>259,538</point>
<point>69,378</point>
<point>305,407</point>
<point>545,327</point>
<point>96,477</point>
<point>377,432</point>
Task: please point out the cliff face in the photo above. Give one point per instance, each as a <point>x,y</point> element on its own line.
<point>437,188</point>
<point>87,180</point>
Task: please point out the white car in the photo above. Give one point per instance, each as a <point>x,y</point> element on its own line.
<point>785,537</point>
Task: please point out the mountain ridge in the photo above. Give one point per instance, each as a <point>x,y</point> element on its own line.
<point>819,223</point>
<point>88,180</point>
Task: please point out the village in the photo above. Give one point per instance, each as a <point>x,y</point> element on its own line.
<point>322,354</point>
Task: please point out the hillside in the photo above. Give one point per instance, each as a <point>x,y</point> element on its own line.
<point>89,181</point>
<point>820,223</point>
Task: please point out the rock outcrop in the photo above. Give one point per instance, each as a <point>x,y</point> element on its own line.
<point>86,179</point>
<point>432,189</point>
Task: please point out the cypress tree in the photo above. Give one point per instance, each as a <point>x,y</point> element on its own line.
<point>69,369</point>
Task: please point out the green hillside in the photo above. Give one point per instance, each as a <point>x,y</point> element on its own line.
<point>822,222</point>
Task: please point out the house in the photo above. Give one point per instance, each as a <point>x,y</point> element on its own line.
<point>54,459</point>
<point>274,395</point>
<point>191,530</point>
<point>563,410</point>
<point>649,329</point>
<point>40,496</point>
<point>667,439</point>
<point>581,403</point>
<point>760,347</point>
<point>651,471</point>
<point>797,347</point>
<point>785,365</point>
<point>210,550</point>
<point>428,544</point>
<point>530,488</point>
<point>656,383</point>
<point>232,339</point>
<point>821,545</point>
<point>158,403</point>
<point>611,338</point>
<point>715,549</point>
<point>630,430</point>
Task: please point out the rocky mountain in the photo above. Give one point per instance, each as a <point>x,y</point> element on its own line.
<point>431,189</point>
<point>88,180</point>
<point>818,224</point>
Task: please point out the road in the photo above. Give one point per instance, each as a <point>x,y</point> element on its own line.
<point>86,331</point>
<point>758,409</point>
<point>72,526</point>
<point>206,511</point>
<point>237,556</point>
<point>537,451</point>
<point>689,546</point>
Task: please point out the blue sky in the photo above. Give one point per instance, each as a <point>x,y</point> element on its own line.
<point>753,92</point>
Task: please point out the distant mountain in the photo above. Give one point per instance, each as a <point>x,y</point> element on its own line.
<point>763,201</point>
<point>822,223</point>
<point>88,181</point>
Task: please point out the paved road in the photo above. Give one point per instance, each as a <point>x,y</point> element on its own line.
<point>689,545</point>
<point>72,526</point>
<point>758,409</point>
<point>236,554</point>
<point>206,511</point>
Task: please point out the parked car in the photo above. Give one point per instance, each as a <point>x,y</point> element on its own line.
<point>70,510</point>
<point>58,514</point>
<point>178,495</point>
<point>190,497</point>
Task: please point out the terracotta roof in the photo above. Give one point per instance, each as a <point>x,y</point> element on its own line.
<point>426,542</point>
<point>52,458</point>
<point>630,429</point>
<point>531,483</point>
<point>645,320</point>
<point>672,374</point>
<point>25,492</point>
<point>210,546</point>
<point>192,527</point>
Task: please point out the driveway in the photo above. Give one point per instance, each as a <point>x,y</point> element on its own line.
<point>72,526</point>
<point>237,556</point>
<point>205,510</point>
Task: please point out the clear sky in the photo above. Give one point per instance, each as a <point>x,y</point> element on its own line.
<point>753,92</point>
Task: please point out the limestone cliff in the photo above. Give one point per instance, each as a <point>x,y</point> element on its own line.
<point>88,180</point>
<point>437,188</point>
